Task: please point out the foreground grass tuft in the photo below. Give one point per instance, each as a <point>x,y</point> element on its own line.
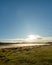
<point>39,55</point>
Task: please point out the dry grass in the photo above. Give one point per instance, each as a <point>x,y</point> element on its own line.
<point>40,55</point>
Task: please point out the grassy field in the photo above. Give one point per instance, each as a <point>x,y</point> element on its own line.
<point>38,55</point>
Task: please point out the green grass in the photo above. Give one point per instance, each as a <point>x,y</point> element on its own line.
<point>40,55</point>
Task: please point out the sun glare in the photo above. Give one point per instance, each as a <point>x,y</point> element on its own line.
<point>32,37</point>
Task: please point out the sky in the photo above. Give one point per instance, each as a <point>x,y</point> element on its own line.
<point>19,18</point>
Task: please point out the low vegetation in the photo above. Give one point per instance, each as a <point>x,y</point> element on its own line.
<point>38,55</point>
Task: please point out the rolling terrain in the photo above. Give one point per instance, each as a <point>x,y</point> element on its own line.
<point>31,55</point>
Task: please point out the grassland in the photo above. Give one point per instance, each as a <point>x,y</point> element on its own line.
<point>38,55</point>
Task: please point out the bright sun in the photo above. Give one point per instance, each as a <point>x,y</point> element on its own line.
<point>32,37</point>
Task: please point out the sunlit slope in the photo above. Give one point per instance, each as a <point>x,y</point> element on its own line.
<point>41,55</point>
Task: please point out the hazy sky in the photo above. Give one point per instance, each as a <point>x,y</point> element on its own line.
<point>19,18</point>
